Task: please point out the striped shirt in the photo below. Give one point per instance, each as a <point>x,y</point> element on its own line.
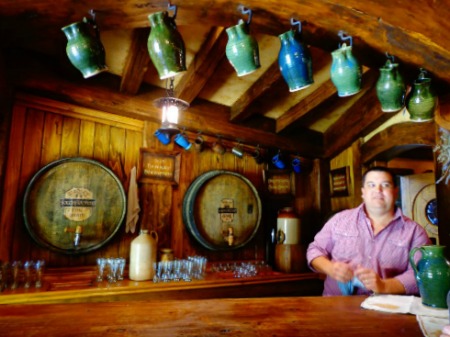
<point>348,237</point>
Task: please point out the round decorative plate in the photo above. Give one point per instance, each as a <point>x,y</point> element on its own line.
<point>74,195</point>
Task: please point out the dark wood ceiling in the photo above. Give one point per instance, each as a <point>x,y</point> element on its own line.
<point>255,109</point>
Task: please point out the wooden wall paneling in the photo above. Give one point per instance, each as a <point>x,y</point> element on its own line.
<point>9,210</point>
<point>86,143</point>
<point>70,139</point>
<point>51,151</point>
<point>102,138</point>
<point>31,153</point>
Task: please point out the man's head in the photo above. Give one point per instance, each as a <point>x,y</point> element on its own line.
<point>379,190</point>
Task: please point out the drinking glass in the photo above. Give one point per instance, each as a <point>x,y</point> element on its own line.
<point>120,261</point>
<point>28,274</point>
<point>15,268</point>
<point>101,263</point>
<point>39,269</point>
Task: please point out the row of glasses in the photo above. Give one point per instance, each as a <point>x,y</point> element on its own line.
<point>28,274</point>
<point>242,269</point>
<point>110,269</point>
<point>194,267</point>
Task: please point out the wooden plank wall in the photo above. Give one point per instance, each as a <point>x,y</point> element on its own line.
<point>43,131</point>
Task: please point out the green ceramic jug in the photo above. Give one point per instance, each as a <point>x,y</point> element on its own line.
<point>421,101</point>
<point>390,88</point>
<point>84,48</point>
<point>432,275</point>
<point>345,71</point>
<point>242,49</point>
<point>166,46</point>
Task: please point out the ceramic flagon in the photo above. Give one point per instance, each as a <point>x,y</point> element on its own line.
<point>421,101</point>
<point>84,48</point>
<point>390,88</point>
<point>166,46</point>
<point>295,62</point>
<point>345,71</point>
<point>242,50</point>
<point>432,274</point>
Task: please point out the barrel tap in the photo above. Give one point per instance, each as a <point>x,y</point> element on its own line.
<point>78,231</point>
<point>230,236</point>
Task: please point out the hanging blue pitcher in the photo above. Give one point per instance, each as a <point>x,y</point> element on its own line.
<point>345,70</point>
<point>165,45</point>
<point>294,60</point>
<point>84,48</point>
<point>421,101</point>
<point>242,50</point>
<point>390,87</point>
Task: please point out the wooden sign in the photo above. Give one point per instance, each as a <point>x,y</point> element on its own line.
<point>339,181</point>
<point>159,167</point>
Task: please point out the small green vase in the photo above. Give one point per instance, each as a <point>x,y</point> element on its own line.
<point>242,49</point>
<point>345,71</point>
<point>421,101</point>
<point>390,88</point>
<point>84,49</point>
<point>166,46</point>
<point>432,274</point>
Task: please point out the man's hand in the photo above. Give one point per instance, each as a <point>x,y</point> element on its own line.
<point>341,271</point>
<point>370,279</point>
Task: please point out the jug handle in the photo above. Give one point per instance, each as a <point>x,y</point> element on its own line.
<point>154,235</point>
<point>93,23</point>
<point>280,236</point>
<point>411,258</point>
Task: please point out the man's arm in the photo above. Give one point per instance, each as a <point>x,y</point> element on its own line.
<point>339,271</point>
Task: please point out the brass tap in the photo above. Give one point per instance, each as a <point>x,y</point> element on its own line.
<point>78,231</point>
<point>230,237</point>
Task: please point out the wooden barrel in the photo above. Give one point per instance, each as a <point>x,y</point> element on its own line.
<point>222,210</point>
<point>74,197</point>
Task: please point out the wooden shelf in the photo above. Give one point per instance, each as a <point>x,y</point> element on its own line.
<point>76,285</point>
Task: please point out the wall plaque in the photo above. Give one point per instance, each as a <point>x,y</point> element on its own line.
<point>159,167</point>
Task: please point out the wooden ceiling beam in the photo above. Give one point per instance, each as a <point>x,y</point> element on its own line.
<point>100,93</point>
<point>203,66</point>
<point>360,119</point>
<point>239,111</point>
<point>136,63</point>
<point>398,135</point>
<point>319,91</point>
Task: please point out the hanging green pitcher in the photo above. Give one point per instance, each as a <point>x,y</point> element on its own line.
<point>390,88</point>
<point>432,274</point>
<point>166,46</point>
<point>242,49</point>
<point>345,71</point>
<point>421,101</point>
<point>84,48</point>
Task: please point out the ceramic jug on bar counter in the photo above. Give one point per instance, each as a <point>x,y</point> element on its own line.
<point>390,88</point>
<point>345,71</point>
<point>143,256</point>
<point>421,101</point>
<point>432,274</point>
<point>84,48</point>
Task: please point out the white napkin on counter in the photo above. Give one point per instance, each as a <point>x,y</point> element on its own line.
<point>431,320</point>
<point>133,208</point>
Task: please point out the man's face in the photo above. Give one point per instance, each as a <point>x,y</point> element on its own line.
<point>378,192</point>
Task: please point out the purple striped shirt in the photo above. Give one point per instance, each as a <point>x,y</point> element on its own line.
<point>348,237</point>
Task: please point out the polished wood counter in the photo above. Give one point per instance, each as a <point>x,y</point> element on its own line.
<point>75,285</point>
<point>277,316</point>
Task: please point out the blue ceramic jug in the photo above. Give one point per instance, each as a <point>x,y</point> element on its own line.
<point>84,48</point>
<point>166,46</point>
<point>345,71</point>
<point>432,275</point>
<point>295,62</point>
<point>390,88</point>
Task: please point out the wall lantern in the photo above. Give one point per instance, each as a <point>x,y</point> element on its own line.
<point>242,49</point>
<point>165,44</point>
<point>84,48</point>
<point>170,107</point>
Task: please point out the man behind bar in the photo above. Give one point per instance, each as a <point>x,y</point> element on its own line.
<point>368,246</point>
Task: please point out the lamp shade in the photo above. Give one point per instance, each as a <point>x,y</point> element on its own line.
<point>166,46</point>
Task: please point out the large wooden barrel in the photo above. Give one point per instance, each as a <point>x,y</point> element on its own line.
<point>70,197</point>
<point>222,210</point>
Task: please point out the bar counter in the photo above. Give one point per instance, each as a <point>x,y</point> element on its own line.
<point>277,316</point>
